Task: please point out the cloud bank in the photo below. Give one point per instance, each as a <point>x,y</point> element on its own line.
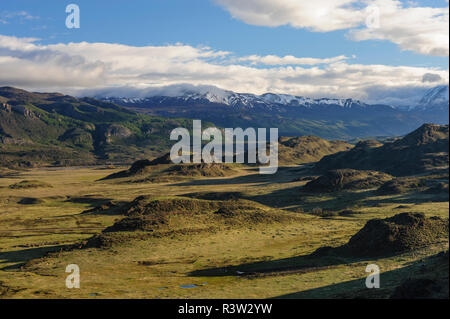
<point>76,68</point>
<point>420,29</point>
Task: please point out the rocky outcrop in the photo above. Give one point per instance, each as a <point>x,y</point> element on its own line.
<point>347,179</point>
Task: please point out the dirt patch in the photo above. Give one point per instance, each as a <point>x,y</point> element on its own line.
<point>27,184</point>
<point>346,179</point>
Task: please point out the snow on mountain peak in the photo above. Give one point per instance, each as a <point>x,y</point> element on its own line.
<point>436,95</point>
<point>212,94</point>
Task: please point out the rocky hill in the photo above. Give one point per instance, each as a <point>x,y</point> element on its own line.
<point>423,150</point>
<point>55,129</point>
<point>308,149</point>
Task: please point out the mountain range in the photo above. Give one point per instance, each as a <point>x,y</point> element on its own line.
<point>55,129</point>
<point>295,115</point>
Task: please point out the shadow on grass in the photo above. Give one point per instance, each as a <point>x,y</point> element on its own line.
<point>10,175</point>
<point>90,200</point>
<point>292,265</point>
<point>409,198</point>
<point>339,200</point>
<point>100,206</point>
<point>433,267</point>
<point>20,257</point>
<point>294,197</point>
<point>284,175</point>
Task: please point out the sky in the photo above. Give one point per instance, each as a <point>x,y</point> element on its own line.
<point>379,51</point>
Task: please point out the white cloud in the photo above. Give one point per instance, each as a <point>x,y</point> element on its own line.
<point>411,27</point>
<point>318,15</point>
<point>289,60</point>
<point>76,67</point>
<point>7,16</point>
<point>420,29</point>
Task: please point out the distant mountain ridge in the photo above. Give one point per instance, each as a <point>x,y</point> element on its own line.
<point>242,100</point>
<point>435,95</point>
<point>294,115</point>
<point>57,129</point>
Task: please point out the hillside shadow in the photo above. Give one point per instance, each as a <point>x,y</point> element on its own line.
<point>354,289</point>
<point>20,257</point>
<point>279,198</point>
<point>430,266</point>
<point>339,200</point>
<point>284,175</point>
<point>107,209</point>
<point>296,196</point>
<point>10,175</point>
<point>91,201</point>
<point>409,198</point>
<point>292,265</point>
<point>247,179</point>
<point>293,196</point>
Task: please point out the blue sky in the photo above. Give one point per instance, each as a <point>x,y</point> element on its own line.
<point>221,25</point>
<point>196,22</point>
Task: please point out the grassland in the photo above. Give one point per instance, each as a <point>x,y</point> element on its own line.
<point>256,260</point>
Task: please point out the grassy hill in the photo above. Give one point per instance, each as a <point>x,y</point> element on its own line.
<point>423,150</point>
<point>54,129</point>
<point>308,149</point>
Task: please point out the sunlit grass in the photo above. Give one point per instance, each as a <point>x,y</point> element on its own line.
<point>156,267</point>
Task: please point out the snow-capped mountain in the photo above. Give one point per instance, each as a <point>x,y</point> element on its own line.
<point>433,100</point>
<point>436,96</point>
<point>268,101</point>
<point>293,115</point>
